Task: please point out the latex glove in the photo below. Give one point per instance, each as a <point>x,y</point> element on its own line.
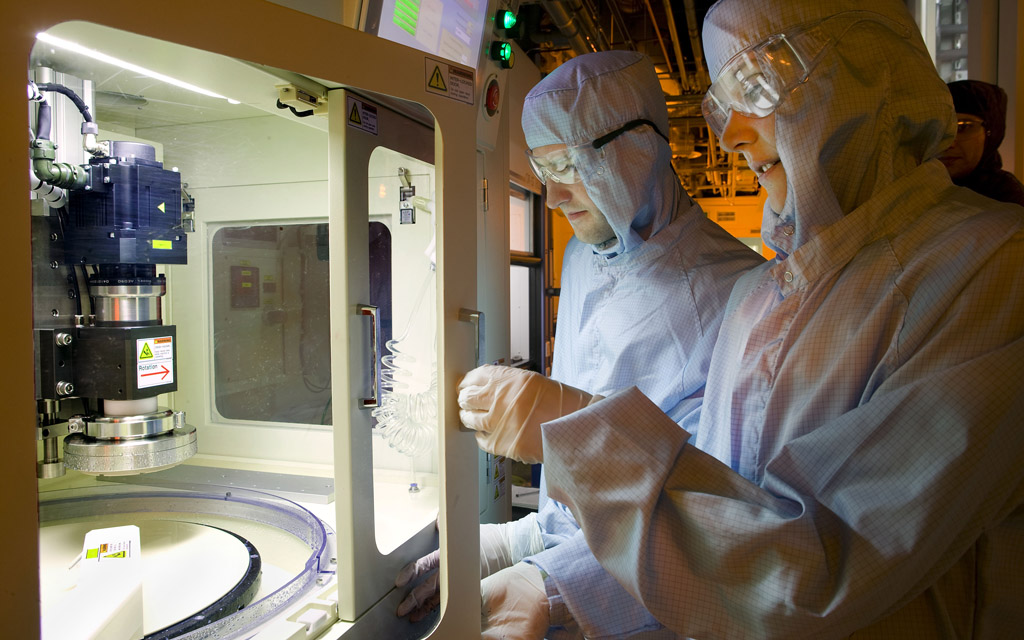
<point>501,546</point>
<point>506,407</point>
<point>514,604</point>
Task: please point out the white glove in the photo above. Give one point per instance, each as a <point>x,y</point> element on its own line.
<point>501,546</point>
<point>506,407</point>
<point>514,604</point>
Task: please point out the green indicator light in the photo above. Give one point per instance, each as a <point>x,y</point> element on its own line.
<point>502,53</point>
<point>506,19</point>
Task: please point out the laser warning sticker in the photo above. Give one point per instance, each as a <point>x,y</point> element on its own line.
<point>154,361</point>
<point>448,80</point>
<point>361,115</point>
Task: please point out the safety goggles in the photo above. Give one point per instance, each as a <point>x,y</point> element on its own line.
<point>756,80</point>
<point>965,125</point>
<point>561,165</point>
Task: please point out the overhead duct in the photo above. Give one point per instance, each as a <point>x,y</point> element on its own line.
<point>684,79</point>
<point>576,25</point>
<point>701,75</point>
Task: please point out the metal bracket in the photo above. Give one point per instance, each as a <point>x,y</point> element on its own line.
<point>477,319</point>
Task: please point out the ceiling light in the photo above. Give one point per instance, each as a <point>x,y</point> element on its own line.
<point>102,57</point>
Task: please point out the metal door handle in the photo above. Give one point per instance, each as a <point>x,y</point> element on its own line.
<point>374,399</point>
<point>477,318</point>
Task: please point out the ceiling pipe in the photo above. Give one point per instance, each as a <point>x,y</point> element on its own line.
<point>703,81</point>
<point>657,32</point>
<point>576,25</point>
<point>617,17</point>
<point>684,80</point>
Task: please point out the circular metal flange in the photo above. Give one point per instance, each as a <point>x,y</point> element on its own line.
<point>140,426</point>
<point>121,457</point>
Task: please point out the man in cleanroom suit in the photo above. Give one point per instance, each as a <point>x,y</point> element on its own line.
<point>858,469</point>
<point>645,280</point>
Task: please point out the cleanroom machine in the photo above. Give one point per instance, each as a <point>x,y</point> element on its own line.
<point>244,283</point>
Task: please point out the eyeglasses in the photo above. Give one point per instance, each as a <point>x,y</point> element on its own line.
<point>967,125</point>
<point>756,80</point>
<point>561,165</point>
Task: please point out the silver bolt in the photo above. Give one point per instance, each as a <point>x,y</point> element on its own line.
<point>110,235</point>
<point>65,388</point>
<point>53,237</point>
<point>53,264</point>
<point>63,339</point>
<point>106,179</point>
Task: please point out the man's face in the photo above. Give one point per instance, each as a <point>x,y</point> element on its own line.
<point>588,222</point>
<point>755,139</point>
<point>965,153</point>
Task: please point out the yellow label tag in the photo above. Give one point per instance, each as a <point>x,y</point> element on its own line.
<point>162,244</point>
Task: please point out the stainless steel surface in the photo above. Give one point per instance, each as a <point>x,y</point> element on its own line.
<point>90,455</point>
<point>477,318</point>
<point>50,466</point>
<point>109,427</point>
<point>128,303</point>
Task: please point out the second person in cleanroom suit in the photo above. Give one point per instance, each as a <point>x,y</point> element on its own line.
<point>645,280</point>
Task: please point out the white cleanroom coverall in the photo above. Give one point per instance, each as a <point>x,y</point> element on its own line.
<point>859,464</point>
<point>641,312</point>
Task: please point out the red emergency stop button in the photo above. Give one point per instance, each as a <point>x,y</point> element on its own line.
<point>493,97</point>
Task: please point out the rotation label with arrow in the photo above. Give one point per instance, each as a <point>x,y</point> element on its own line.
<point>155,361</point>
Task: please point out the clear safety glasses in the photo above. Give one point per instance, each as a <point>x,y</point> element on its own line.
<point>755,81</point>
<point>561,165</point>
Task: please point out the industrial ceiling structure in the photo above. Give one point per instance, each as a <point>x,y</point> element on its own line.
<point>667,31</point>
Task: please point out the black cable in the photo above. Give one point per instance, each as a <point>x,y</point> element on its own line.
<point>43,122</point>
<point>298,114</point>
<point>59,88</point>
<point>73,280</point>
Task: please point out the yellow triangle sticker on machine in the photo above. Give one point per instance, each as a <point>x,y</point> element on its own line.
<point>162,207</point>
<point>147,353</point>
<point>354,116</point>
<point>437,80</point>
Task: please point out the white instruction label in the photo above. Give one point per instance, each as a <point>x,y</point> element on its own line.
<point>154,361</point>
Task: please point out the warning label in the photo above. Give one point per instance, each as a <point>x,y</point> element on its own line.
<point>119,549</point>
<point>449,81</point>
<point>154,361</point>
<point>362,116</point>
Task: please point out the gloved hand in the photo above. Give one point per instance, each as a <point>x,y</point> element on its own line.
<point>506,407</point>
<point>514,604</point>
<point>501,546</point>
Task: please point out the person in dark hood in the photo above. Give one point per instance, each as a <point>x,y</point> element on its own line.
<point>973,159</point>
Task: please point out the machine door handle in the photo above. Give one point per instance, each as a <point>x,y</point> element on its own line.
<point>374,399</point>
<point>477,318</point>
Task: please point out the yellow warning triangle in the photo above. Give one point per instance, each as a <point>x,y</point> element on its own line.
<point>354,116</point>
<point>437,80</point>
<point>161,207</point>
<point>146,353</point>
